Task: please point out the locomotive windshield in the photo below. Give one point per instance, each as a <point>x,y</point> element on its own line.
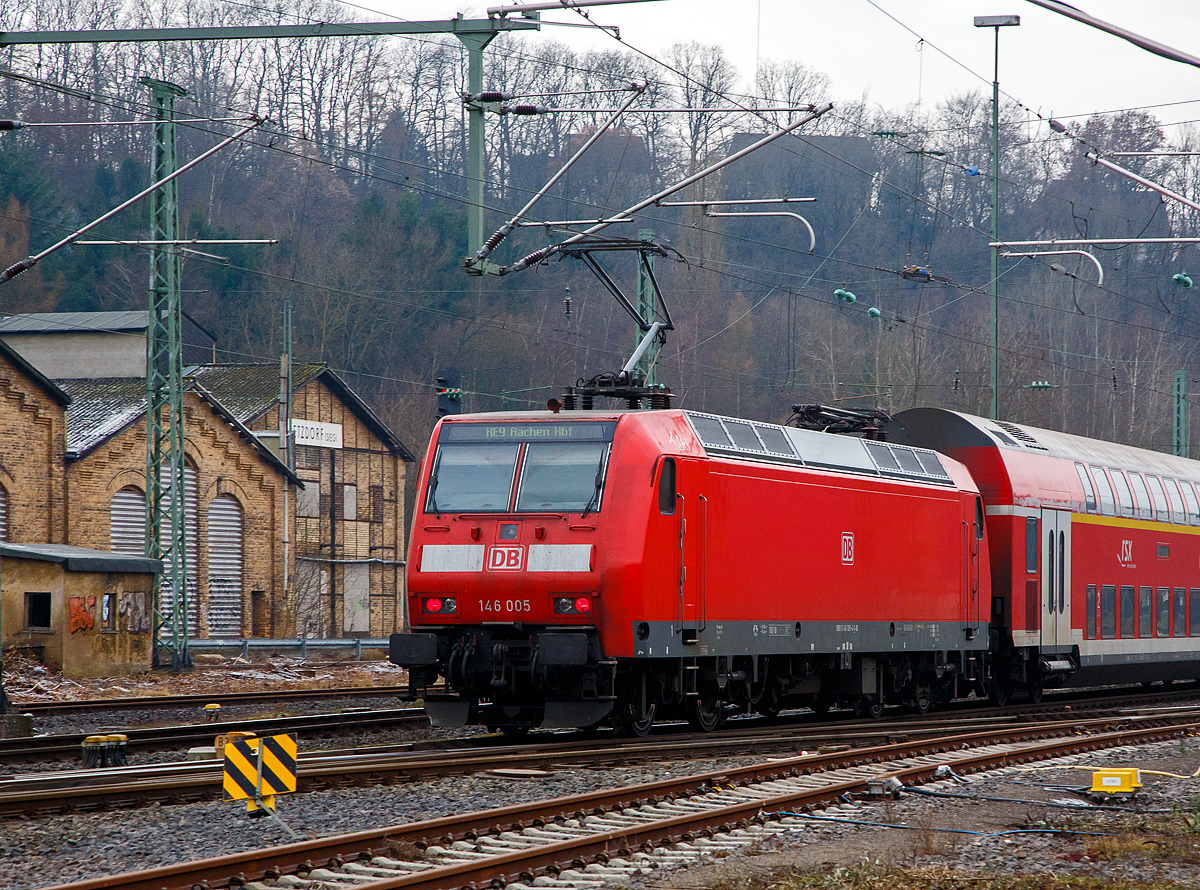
<point>532,467</point>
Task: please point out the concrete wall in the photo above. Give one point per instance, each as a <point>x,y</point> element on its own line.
<point>100,622</point>
<point>365,523</point>
<point>32,444</point>
<point>226,464</point>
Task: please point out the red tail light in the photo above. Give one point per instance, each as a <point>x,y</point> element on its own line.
<point>433,605</point>
<point>583,604</point>
<point>436,605</point>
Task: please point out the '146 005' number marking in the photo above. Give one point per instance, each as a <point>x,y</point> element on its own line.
<point>505,606</point>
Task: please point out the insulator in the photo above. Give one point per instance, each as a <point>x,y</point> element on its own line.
<point>528,109</point>
<point>873,312</point>
<point>14,270</point>
<point>11,125</point>
<point>567,306</point>
<point>491,243</point>
<point>491,96</point>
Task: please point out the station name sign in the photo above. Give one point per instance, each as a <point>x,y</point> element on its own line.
<point>317,434</point>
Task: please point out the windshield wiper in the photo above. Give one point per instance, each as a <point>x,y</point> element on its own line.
<point>599,484</point>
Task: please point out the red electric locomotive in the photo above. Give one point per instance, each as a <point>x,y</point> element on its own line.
<point>586,567</point>
<point>1095,552</point>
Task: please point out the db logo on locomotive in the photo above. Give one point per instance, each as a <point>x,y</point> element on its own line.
<point>506,558</point>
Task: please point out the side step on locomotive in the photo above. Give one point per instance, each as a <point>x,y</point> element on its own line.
<point>618,567</point>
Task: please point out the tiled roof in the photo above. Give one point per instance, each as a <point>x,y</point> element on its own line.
<point>101,408</point>
<point>249,391</point>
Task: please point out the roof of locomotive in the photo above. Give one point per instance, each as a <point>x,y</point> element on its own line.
<point>753,440</point>
<point>946,431</point>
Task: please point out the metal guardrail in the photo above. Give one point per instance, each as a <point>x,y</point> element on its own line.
<point>244,646</point>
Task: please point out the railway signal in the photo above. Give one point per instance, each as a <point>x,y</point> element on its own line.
<point>256,770</point>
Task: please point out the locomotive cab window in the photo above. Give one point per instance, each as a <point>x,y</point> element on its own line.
<point>666,487</point>
<point>529,467</point>
<point>978,518</point>
<point>565,476</point>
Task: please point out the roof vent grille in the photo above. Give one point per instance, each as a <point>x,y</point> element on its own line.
<point>1021,436</point>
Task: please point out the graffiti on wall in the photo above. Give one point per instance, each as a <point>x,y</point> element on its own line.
<point>81,613</point>
<point>134,612</point>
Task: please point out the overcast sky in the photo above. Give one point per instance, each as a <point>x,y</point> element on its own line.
<point>1050,63</point>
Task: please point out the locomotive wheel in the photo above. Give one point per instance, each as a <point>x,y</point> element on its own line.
<point>705,712</point>
<point>870,707</point>
<point>821,705</point>
<point>998,692</point>
<point>923,701</point>
<point>768,705</point>
<point>639,728</point>
<point>1035,693</point>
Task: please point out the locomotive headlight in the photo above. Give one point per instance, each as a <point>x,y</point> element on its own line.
<point>572,605</point>
<point>436,605</point>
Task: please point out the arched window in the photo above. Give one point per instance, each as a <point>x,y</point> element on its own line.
<point>225,567</point>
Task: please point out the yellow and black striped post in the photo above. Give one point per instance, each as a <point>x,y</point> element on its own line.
<point>258,769</point>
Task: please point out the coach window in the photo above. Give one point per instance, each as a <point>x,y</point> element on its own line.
<point>1189,498</point>
<point>1176,502</point>
<point>1194,612</point>
<point>666,487</point>
<point>1128,611</point>
<point>1089,609</point>
<point>1145,610</point>
<point>1163,612</point>
<point>1179,613</point>
<point>1160,499</point>
<point>978,518</point>
<point>1108,611</point>
<point>1089,495</point>
<point>1031,545</point>
<point>1144,508</point>
<point>1107,507</point>
<point>1124,498</point>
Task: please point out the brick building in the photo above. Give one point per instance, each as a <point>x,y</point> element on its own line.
<point>348,533</point>
<point>313,550</point>
<point>32,440</point>
<point>234,502</point>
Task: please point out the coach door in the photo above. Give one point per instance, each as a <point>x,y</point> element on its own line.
<point>694,514</point>
<point>1056,579</point>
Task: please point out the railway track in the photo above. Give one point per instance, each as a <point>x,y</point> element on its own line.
<point>156,702</point>
<point>51,793</point>
<point>65,745</point>
<point>605,836</point>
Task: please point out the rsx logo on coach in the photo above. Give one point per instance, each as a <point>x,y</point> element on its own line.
<point>506,558</point>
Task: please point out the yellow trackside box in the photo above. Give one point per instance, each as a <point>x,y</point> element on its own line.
<point>1116,781</point>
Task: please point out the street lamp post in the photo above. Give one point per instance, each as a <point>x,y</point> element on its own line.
<point>997,22</point>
